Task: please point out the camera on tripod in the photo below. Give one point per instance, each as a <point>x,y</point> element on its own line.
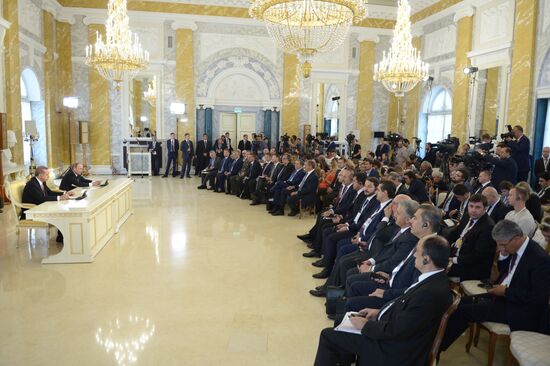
<point>393,139</point>
<point>507,135</point>
<point>447,147</point>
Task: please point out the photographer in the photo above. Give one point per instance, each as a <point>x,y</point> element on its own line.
<point>505,167</point>
<point>520,152</point>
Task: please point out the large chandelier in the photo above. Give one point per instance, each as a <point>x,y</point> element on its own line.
<point>308,27</point>
<point>402,67</point>
<point>151,94</point>
<point>121,53</point>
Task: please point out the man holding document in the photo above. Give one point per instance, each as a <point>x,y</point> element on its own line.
<point>402,332</point>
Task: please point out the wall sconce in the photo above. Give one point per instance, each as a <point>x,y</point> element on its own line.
<point>177,108</point>
<point>70,102</point>
<point>470,70</point>
<point>143,119</point>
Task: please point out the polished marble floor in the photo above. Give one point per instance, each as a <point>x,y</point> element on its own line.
<point>192,278</point>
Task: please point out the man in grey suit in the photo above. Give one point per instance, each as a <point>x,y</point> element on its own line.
<point>209,173</point>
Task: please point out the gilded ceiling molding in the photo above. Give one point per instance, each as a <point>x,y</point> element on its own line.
<point>434,9</point>
<point>183,24</point>
<point>467,11</point>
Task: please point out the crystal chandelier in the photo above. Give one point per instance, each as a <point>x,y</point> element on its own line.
<point>308,27</point>
<point>402,67</point>
<point>151,94</point>
<point>120,54</point>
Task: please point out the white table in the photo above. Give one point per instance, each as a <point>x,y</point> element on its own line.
<point>87,225</point>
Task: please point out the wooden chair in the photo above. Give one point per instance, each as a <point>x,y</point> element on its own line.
<point>432,358</point>
<point>496,331</point>
<point>14,191</point>
<point>303,209</point>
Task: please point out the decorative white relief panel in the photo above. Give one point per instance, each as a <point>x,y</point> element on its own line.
<point>338,59</point>
<point>29,17</point>
<point>152,38</point>
<point>211,43</point>
<point>238,87</point>
<point>440,42</point>
<point>545,13</point>
<point>494,24</point>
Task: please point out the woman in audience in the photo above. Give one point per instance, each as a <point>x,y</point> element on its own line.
<point>533,202</point>
<point>504,188</point>
<point>325,181</point>
<point>545,228</point>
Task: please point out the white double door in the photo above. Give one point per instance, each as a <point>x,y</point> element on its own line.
<point>238,124</point>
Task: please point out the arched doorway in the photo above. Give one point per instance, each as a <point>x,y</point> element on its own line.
<point>32,109</point>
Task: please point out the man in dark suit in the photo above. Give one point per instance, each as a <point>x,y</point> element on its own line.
<point>203,148</point>
<point>496,209</point>
<point>209,173</point>
<point>235,168</point>
<point>417,189</point>
<point>253,173</point>
<point>473,248</point>
<point>73,178</point>
<point>402,332</point>
<point>267,167</point>
<point>307,189</point>
<point>36,191</point>
<point>172,145</point>
<point>541,165</point>
<point>505,168</point>
<point>382,148</point>
<point>258,194</point>
<point>282,188</point>
<point>228,142</point>
<point>245,144</point>
<point>521,148</point>
<point>484,181</point>
<point>430,155</point>
<point>236,181</point>
<point>155,147</point>
<point>223,172</point>
<point>544,192</point>
<point>519,298</point>
<point>187,153</point>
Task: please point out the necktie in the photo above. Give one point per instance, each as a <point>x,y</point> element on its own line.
<point>370,219</point>
<point>303,182</point>
<point>448,201</point>
<point>510,267</point>
<point>43,189</point>
<point>490,210</point>
<point>292,175</point>
<point>545,164</point>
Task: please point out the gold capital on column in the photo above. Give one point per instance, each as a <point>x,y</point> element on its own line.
<point>13,77</point>
<point>185,79</point>
<point>365,94</point>
<point>461,83</point>
<point>523,64</point>
<point>64,83</point>
<point>290,112</point>
<point>100,110</point>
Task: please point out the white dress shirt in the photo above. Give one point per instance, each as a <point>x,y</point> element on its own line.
<point>508,279</point>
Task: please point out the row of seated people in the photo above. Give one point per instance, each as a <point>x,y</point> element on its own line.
<point>381,253</point>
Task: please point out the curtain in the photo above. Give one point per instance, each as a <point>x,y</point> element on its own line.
<point>208,123</point>
<point>326,128</point>
<point>541,133</point>
<point>274,126</point>
<point>267,124</point>
<point>200,124</point>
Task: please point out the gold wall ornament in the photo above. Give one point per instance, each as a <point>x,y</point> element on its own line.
<point>401,67</point>
<point>308,27</point>
<point>120,54</point>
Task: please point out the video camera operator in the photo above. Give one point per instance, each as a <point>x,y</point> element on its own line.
<point>505,168</point>
<point>521,147</point>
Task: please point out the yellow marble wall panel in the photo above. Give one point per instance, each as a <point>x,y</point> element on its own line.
<point>461,82</point>
<point>53,130</point>
<point>365,94</point>
<point>185,82</point>
<point>291,95</point>
<point>434,9</point>
<point>152,118</point>
<point>136,103</point>
<point>64,83</point>
<point>13,77</point>
<point>392,114</point>
<point>378,23</point>
<point>321,110</point>
<point>523,64</point>
<point>100,111</point>
<point>490,105</point>
<point>413,102</point>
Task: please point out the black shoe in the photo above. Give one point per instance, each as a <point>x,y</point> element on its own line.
<point>318,292</point>
<point>201,187</point>
<point>278,213</point>
<point>323,274</point>
<point>331,316</point>
<point>181,176</point>
<point>305,237</point>
<point>255,203</point>
<point>292,213</point>
<point>310,245</point>
<point>188,176</point>
<point>312,254</point>
<point>320,263</point>
<point>165,176</point>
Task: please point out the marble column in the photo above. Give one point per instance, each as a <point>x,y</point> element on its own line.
<point>64,87</point>
<point>13,77</point>
<point>53,142</point>
<point>489,123</point>
<point>153,117</point>
<point>4,25</point>
<point>185,75</point>
<point>291,96</point>
<point>365,91</point>
<point>523,64</point>
<point>136,103</point>
<point>413,102</point>
<point>464,31</point>
<point>393,107</point>
<point>100,113</point>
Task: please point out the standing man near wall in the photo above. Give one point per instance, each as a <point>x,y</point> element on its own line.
<point>520,152</point>
<point>187,152</point>
<point>172,146</point>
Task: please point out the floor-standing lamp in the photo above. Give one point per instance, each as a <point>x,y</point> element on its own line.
<point>177,109</point>
<point>70,103</point>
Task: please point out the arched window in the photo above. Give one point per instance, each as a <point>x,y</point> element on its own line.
<point>30,93</point>
<point>436,119</point>
<point>334,119</point>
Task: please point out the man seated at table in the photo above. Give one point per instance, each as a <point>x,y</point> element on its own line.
<point>36,191</point>
<point>402,332</point>
<point>73,178</point>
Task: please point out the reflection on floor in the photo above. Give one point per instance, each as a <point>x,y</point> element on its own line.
<point>192,278</point>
